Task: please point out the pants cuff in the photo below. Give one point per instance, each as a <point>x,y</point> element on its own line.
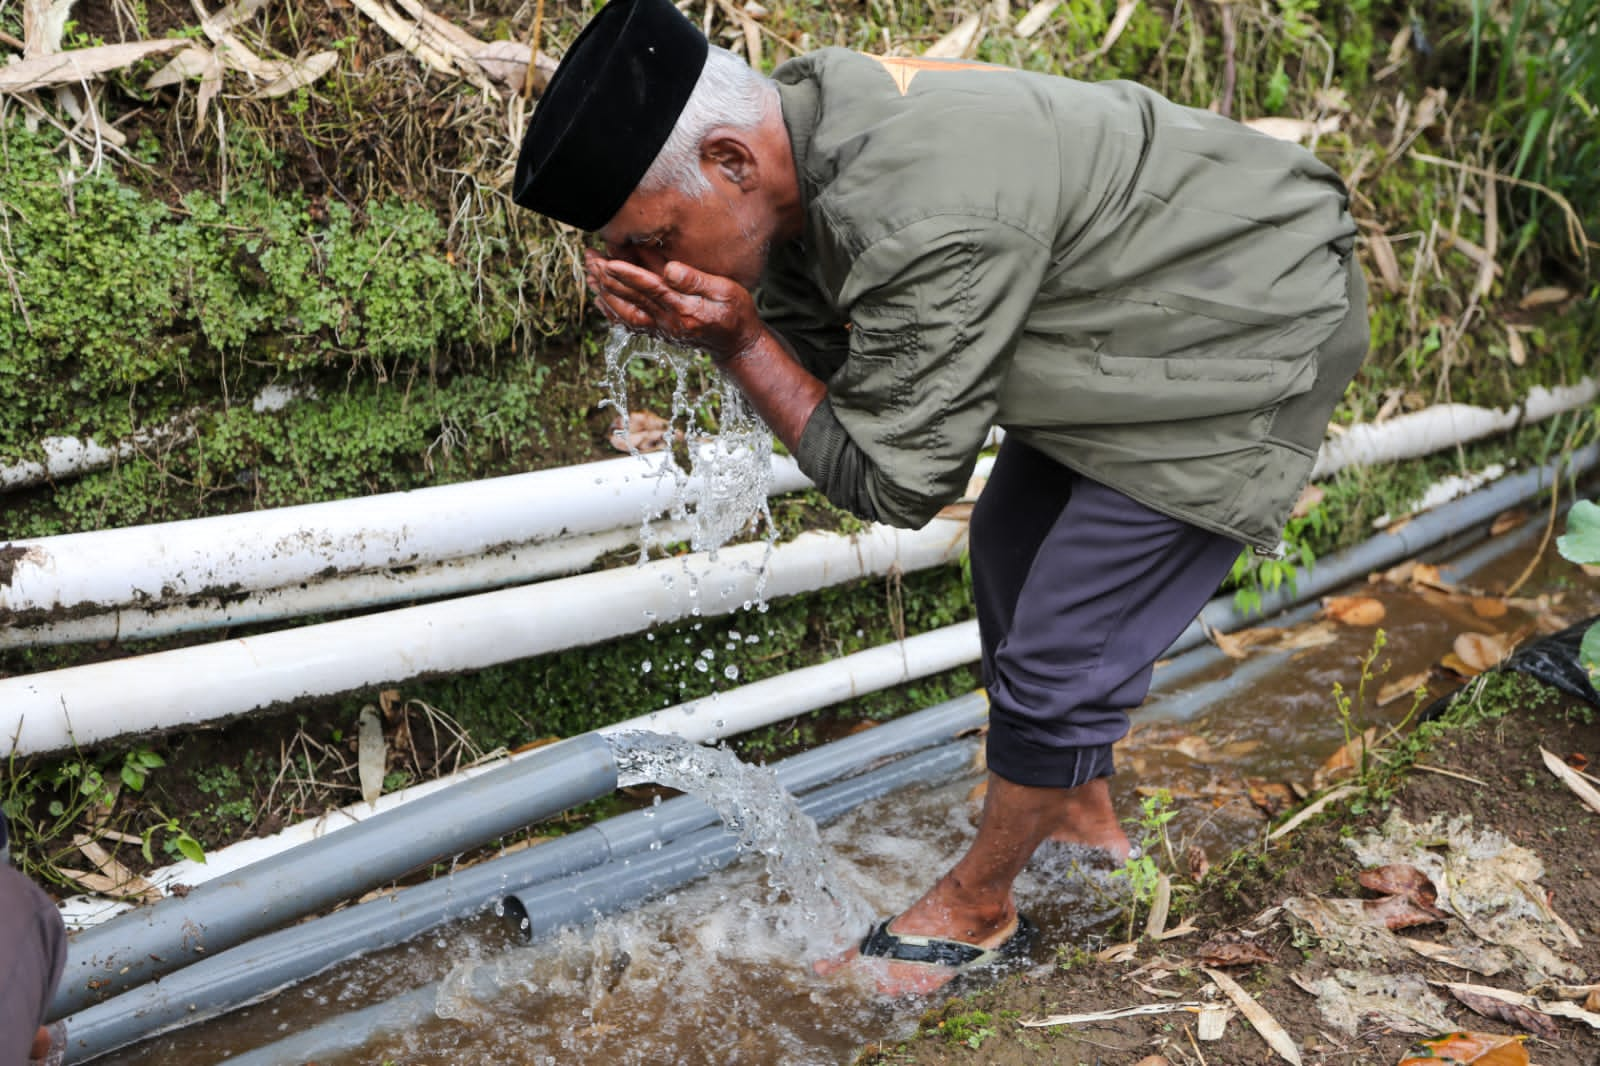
<point>1027,764</point>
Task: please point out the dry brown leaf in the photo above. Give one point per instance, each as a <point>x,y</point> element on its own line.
<point>1344,761</point>
<point>1543,296</point>
<point>1515,348</point>
<point>1514,1014</point>
<point>1398,912</point>
<point>1236,645</point>
<point>1194,746</point>
<point>1266,1025</point>
<point>1428,575</point>
<point>1572,779</point>
<point>1306,637</point>
<point>1489,607</point>
<point>1148,1060</point>
<point>1405,686</point>
<point>1399,879</point>
<point>1199,865</point>
<point>1592,1003</point>
<point>1236,748</point>
<point>1354,610</point>
<point>1578,761</point>
<point>1232,949</point>
<point>1482,651</point>
<point>1457,666</point>
<point>1506,521</point>
<point>1471,1049</point>
<point>1384,259</point>
<point>300,73</point>
<point>1273,797</point>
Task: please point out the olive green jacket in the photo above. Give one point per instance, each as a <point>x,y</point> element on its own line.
<point>1147,293</point>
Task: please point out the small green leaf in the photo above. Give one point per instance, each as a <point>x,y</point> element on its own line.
<point>133,777</point>
<point>191,848</point>
<point>1589,653</point>
<point>1581,542</point>
<point>149,760</point>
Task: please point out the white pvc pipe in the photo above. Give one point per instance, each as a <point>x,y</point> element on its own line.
<point>338,595</point>
<point>85,705</point>
<point>227,554</point>
<point>726,714</point>
<point>1444,426</point>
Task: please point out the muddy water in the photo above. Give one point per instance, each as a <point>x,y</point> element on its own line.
<point>705,977</point>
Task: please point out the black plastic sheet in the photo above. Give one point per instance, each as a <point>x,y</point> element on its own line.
<point>1555,661</point>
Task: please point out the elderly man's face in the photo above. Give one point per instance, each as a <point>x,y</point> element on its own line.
<point>726,232</point>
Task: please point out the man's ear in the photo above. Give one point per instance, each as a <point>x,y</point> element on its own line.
<point>733,157</point>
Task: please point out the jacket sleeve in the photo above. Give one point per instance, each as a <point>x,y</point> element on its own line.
<point>936,310</point>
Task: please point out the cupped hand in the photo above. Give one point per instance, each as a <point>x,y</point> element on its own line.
<point>681,304</point>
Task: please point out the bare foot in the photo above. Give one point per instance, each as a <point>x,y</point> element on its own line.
<point>1088,819</point>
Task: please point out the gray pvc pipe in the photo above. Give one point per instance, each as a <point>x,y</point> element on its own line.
<point>146,943</point>
<point>253,970</point>
<point>579,900</point>
<point>1387,548</point>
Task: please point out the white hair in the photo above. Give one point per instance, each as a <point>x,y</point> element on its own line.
<point>729,94</point>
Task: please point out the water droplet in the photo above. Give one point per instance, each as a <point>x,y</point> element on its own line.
<point>700,665</point>
<point>731,672</point>
<point>644,667</point>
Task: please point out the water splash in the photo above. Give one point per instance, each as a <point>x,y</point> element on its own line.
<point>726,473</point>
<point>811,904</point>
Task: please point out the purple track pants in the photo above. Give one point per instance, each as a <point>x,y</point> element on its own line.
<point>1079,589</point>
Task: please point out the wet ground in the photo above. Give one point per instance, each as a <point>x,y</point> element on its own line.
<point>705,975</point>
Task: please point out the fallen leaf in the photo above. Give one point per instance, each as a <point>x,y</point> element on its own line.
<point>1454,664</point>
<point>1585,791</point>
<point>1476,1049</point>
<point>1399,879</point>
<point>1199,865</point>
<point>1266,1025</point>
<point>959,42</point>
<point>1304,638</point>
<point>1235,748</point>
<point>1398,912</point>
<point>1232,949</point>
<point>1515,1014</point>
<point>1407,685</point>
<point>1195,747</point>
<point>1236,645</point>
<point>1355,1000</point>
<point>1557,1008</point>
<point>1543,296</point>
<point>1427,574</point>
<point>1353,610</point>
<point>1273,797</point>
<point>1489,607</point>
<point>1311,810</point>
<point>1578,761</point>
<point>1487,961</point>
<point>1148,1060</point>
<point>1345,761</point>
<point>1515,348</point>
<point>1506,521</point>
<point>1592,1003</point>
<point>1482,651</point>
<point>1384,259</point>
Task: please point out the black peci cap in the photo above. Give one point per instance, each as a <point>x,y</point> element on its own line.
<point>607,111</point>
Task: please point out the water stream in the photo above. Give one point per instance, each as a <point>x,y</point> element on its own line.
<point>725,471</point>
